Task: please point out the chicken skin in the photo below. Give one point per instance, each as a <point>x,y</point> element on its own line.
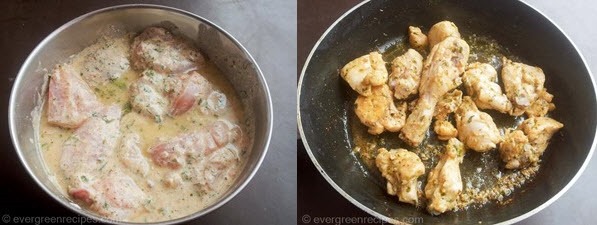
<point>441,73</point>
<point>444,183</point>
<point>476,129</point>
<point>524,146</point>
<point>480,82</point>
<point>406,74</point>
<point>365,72</point>
<point>378,111</point>
<point>522,83</point>
<point>417,39</point>
<point>401,168</point>
<point>440,31</point>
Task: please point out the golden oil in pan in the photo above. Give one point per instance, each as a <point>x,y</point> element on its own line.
<point>483,175</point>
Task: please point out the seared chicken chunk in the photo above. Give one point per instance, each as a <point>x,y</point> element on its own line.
<point>107,60</point>
<point>480,82</point>
<point>70,100</point>
<point>542,105</point>
<point>539,130</point>
<point>448,104</point>
<point>401,169</point>
<point>417,39</point>
<point>440,31</point>
<point>441,73</point>
<point>365,72</point>
<point>378,111</point>
<point>157,49</point>
<point>523,84</point>
<point>444,183</point>
<point>476,129</point>
<point>524,147</point>
<point>406,74</point>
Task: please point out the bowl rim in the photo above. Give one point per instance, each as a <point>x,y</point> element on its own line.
<point>80,210</point>
<point>393,220</point>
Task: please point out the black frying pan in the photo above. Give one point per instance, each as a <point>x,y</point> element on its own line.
<point>326,102</point>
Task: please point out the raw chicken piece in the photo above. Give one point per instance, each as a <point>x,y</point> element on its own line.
<point>406,74</point>
<point>440,31</point>
<point>417,39</point>
<point>156,94</point>
<point>90,146</point>
<point>476,129</point>
<point>216,168</point>
<point>539,130</point>
<point>174,152</point>
<point>107,60</point>
<point>524,147</point>
<point>516,151</point>
<point>522,83</point>
<point>130,153</point>
<point>157,49</point>
<point>448,104</point>
<point>480,82</point>
<point>401,169</point>
<point>441,73</point>
<point>444,183</point>
<point>378,112</point>
<point>70,100</point>
<point>542,105</point>
<point>365,72</point>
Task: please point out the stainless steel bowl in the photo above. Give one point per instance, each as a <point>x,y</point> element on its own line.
<point>225,51</point>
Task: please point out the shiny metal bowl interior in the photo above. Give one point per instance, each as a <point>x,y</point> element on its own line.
<point>325,109</point>
<point>219,46</point>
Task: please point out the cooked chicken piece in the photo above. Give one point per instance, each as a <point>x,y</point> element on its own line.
<point>516,151</point>
<point>441,73</point>
<point>378,111</point>
<point>480,82</point>
<point>90,146</point>
<point>440,31</point>
<point>175,152</point>
<point>155,94</point>
<point>524,147</point>
<point>70,100</point>
<point>444,183</point>
<point>539,130</point>
<point>523,84</point>
<point>401,169</point>
<point>542,105</point>
<point>130,153</point>
<point>107,60</point>
<point>448,104</point>
<point>157,49</point>
<point>365,72</point>
<point>476,129</point>
<point>417,39</point>
<point>406,74</point>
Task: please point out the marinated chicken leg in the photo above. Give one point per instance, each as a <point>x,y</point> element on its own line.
<point>444,183</point>
<point>401,168</point>
<point>523,84</point>
<point>417,39</point>
<point>480,82</point>
<point>476,129</point>
<point>70,100</point>
<point>378,111</point>
<point>365,72</point>
<point>441,73</point>
<point>448,104</point>
<point>406,74</point>
<point>440,31</point>
<point>524,147</point>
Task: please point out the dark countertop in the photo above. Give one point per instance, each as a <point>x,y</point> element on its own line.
<point>265,27</point>
<point>318,199</point>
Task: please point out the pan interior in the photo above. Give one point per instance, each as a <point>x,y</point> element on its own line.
<point>326,102</point>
